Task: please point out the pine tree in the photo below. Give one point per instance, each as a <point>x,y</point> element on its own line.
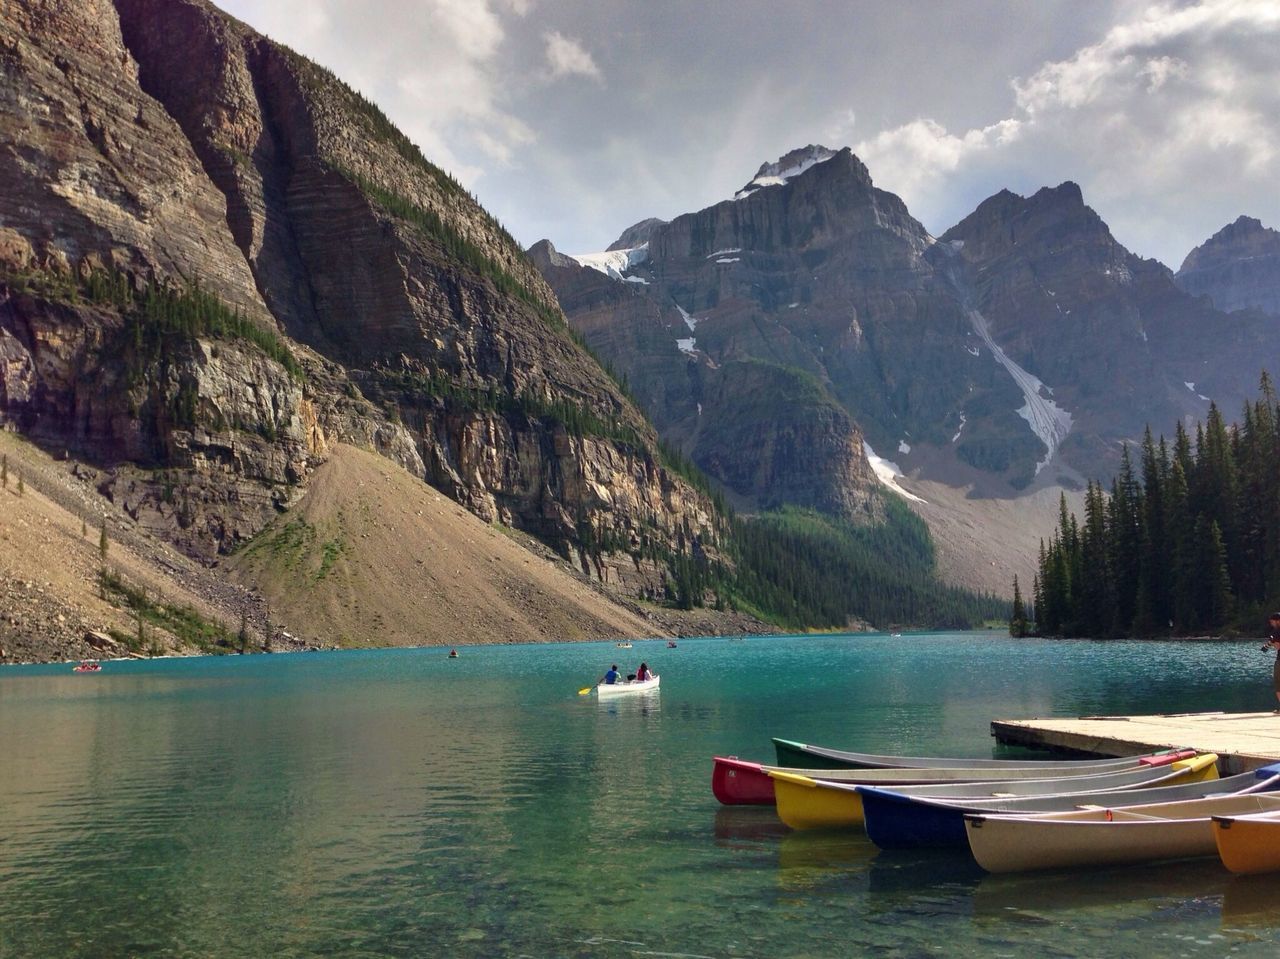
<point>1124,521</point>
<point>1095,599</point>
<point>1018,619</point>
<point>103,545</point>
<point>1180,531</point>
<point>1219,603</point>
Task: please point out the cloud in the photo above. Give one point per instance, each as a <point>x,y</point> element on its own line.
<point>567,57</point>
<point>441,75</point>
<point>1170,111</point>
<point>916,155</point>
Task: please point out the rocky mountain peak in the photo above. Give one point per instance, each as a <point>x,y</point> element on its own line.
<point>544,254</point>
<point>1051,218</point>
<point>1066,193</point>
<point>636,235</point>
<point>788,166</point>
<point>1238,267</point>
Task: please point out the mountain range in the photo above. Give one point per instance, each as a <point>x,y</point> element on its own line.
<point>808,335</point>
<point>233,294</point>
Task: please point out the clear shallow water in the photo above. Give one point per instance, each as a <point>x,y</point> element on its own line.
<point>397,803</point>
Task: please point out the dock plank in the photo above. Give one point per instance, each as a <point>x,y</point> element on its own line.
<point>1243,741</point>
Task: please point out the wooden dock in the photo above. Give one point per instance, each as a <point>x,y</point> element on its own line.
<point>1243,741</point>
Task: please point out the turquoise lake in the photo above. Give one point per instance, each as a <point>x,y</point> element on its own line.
<point>398,803</point>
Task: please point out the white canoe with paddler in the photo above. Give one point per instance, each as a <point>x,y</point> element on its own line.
<point>609,690</point>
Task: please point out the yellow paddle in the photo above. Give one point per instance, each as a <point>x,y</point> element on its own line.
<point>583,692</point>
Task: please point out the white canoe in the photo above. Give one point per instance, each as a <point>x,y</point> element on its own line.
<point>620,689</point>
<point>1105,836</point>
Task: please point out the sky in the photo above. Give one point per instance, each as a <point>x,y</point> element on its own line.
<point>572,119</point>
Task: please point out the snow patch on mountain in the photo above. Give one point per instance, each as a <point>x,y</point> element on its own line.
<point>887,473</point>
<point>689,320</point>
<point>785,168</point>
<point>686,345</point>
<point>614,263</point>
<point>1050,422</point>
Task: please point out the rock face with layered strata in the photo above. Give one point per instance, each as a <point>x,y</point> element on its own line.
<point>167,146</point>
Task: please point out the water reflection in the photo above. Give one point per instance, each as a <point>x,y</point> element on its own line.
<point>749,823</point>
<point>1042,894</point>
<point>1252,902</point>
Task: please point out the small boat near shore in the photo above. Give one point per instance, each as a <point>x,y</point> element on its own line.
<point>897,820</point>
<point>1107,836</point>
<point>627,687</point>
<point>804,755</point>
<point>739,782</point>
<point>88,666</point>
<point>1248,845</point>
<point>623,645</point>
<point>805,803</point>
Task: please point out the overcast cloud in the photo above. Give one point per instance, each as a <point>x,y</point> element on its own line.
<point>574,119</point>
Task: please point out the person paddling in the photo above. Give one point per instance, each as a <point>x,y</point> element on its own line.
<point>611,676</point>
<point>1273,642</point>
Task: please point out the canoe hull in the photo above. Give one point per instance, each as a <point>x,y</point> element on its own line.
<point>737,782</point>
<point>1105,837</point>
<point>895,820</point>
<point>803,755</point>
<point>1248,846</point>
<point>802,804</point>
<point>1027,845</point>
<point>627,688</point>
<point>899,822</point>
<point>810,803</point>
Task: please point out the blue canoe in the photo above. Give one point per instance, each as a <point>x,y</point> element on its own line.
<point>896,820</point>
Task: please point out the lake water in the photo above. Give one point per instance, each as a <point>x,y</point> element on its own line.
<point>398,803</point>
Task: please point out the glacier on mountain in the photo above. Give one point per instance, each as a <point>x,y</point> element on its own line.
<point>782,170</point>
<point>887,473</point>
<point>615,263</point>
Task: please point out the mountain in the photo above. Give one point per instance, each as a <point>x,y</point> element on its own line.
<point>219,264</point>
<point>812,315</point>
<point>1238,268</point>
<point>1113,341</point>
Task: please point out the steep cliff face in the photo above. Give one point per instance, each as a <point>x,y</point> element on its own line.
<point>157,145</point>
<point>1238,268</point>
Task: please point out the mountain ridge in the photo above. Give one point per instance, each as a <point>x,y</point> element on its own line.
<point>223,263</point>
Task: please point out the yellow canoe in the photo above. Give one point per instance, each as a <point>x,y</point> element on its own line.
<point>1248,844</point>
<point>807,803</point>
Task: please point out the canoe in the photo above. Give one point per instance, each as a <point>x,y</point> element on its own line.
<point>803,755</point>
<point>739,782</point>
<point>1108,836</point>
<point>805,803</point>
<point>894,819</point>
<point>1248,844</point>
<point>608,691</point>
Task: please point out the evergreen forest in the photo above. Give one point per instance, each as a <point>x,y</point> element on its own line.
<point>1186,542</point>
<point>801,569</point>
